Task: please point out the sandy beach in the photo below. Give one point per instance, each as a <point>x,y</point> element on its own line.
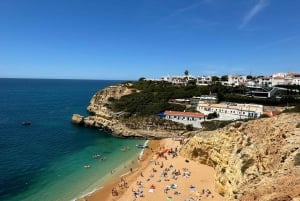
<point>162,175</point>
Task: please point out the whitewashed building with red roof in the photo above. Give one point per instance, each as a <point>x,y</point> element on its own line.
<point>194,118</point>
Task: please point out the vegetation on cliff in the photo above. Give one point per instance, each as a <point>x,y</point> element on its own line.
<point>213,125</point>
<point>152,97</point>
<point>130,106</point>
<point>295,109</point>
<point>151,123</point>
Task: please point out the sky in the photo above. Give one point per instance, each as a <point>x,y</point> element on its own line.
<point>129,39</point>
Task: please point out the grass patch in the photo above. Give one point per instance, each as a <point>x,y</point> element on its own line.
<point>295,109</point>
<point>213,125</point>
<point>264,116</point>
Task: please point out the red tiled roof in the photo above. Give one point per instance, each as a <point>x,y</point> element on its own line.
<point>294,74</point>
<point>272,113</point>
<point>186,114</point>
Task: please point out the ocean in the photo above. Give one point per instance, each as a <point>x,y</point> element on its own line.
<point>48,159</point>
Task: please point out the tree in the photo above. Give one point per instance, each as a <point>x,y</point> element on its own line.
<point>142,79</point>
<point>214,79</point>
<point>224,78</point>
<point>189,127</point>
<point>186,72</point>
<point>249,77</point>
<point>212,115</point>
<point>220,96</point>
<point>192,82</point>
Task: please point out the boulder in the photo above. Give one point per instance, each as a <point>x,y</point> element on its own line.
<point>77,119</point>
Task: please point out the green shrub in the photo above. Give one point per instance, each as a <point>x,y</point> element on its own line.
<point>189,127</point>
<point>153,97</point>
<point>213,125</point>
<point>111,99</point>
<point>264,116</point>
<point>296,109</point>
<point>212,115</point>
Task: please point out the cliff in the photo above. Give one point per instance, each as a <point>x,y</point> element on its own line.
<point>102,117</point>
<point>253,160</point>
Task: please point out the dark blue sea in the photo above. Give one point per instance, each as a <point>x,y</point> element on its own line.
<point>46,160</point>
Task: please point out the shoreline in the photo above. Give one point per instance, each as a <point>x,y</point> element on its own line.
<point>203,178</point>
<point>105,189</point>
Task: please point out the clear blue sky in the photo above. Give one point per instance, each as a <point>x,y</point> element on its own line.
<point>128,39</point>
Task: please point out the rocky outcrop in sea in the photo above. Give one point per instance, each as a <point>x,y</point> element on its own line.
<point>102,117</point>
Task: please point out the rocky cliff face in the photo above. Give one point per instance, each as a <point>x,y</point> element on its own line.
<point>253,160</point>
<point>103,118</point>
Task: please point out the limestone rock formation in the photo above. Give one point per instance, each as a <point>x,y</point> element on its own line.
<point>77,119</point>
<point>253,160</point>
<point>102,117</point>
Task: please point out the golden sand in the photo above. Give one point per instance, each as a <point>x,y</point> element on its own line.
<point>162,175</point>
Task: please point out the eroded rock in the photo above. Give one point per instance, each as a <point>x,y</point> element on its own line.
<point>252,163</point>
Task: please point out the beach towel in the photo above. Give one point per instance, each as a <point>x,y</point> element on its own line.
<point>151,190</point>
<point>164,151</point>
<point>169,198</point>
<point>192,189</point>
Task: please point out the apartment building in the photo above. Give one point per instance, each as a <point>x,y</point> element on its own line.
<point>232,110</point>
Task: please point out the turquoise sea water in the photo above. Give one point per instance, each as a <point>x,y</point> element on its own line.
<point>45,161</point>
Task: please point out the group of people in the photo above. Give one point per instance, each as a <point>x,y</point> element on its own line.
<point>114,192</point>
<point>164,171</point>
<point>137,193</point>
<point>123,184</point>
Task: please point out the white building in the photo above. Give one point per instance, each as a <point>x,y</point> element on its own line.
<point>194,118</point>
<point>204,80</point>
<point>295,78</point>
<point>296,81</point>
<point>232,110</point>
<point>208,99</point>
<point>264,81</point>
<point>177,80</point>
<point>282,79</point>
<point>167,78</point>
<point>236,80</point>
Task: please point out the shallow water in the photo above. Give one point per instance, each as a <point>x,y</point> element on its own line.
<point>45,161</point>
